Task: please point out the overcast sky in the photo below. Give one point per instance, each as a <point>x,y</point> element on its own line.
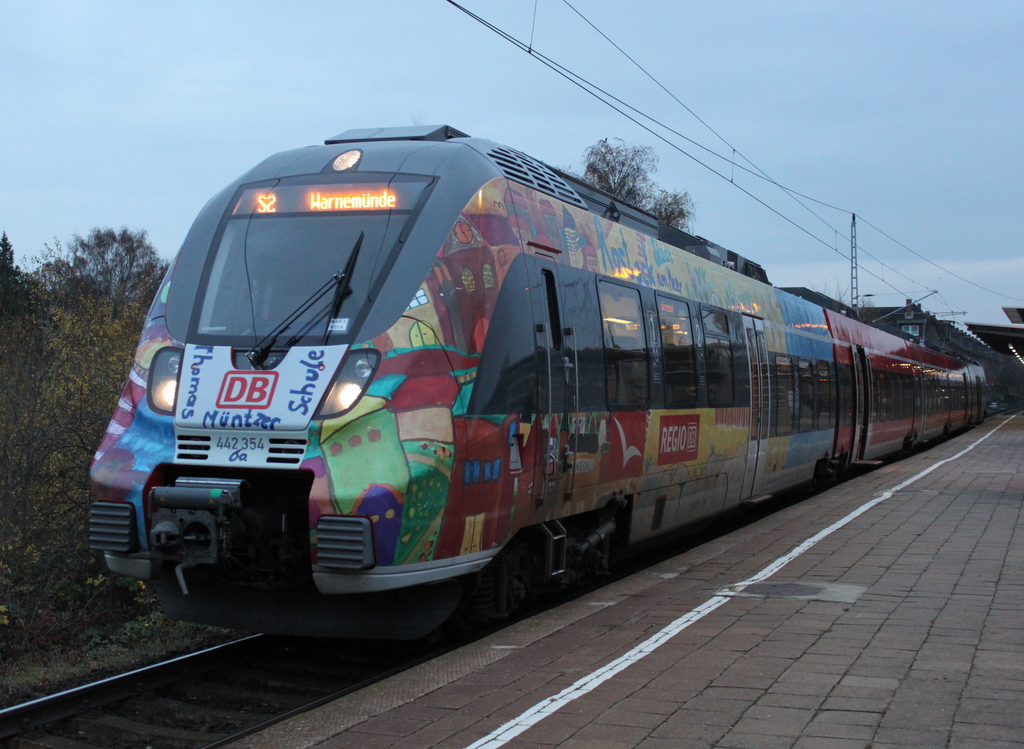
<point>908,113</point>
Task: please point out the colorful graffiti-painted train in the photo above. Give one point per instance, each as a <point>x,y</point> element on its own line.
<point>411,375</point>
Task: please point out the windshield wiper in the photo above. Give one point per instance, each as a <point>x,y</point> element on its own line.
<point>342,285</point>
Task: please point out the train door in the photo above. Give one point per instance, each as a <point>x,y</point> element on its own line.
<point>760,406</point>
<point>862,401</point>
<point>560,392</point>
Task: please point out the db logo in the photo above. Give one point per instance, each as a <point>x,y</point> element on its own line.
<point>247,389</point>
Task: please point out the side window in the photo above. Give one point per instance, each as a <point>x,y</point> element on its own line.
<point>718,355</point>
<point>826,402</point>
<point>845,381</point>
<point>805,374</point>
<point>625,349</point>
<point>884,400</point>
<point>877,396</point>
<point>554,319</point>
<point>784,399</point>
<point>678,352</point>
<point>894,395</point>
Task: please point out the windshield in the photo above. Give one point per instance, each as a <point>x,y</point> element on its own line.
<point>280,245</point>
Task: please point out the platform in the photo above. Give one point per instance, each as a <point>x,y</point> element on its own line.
<point>885,612</point>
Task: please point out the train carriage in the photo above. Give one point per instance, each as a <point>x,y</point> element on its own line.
<point>411,375</point>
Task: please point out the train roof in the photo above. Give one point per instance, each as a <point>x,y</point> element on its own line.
<point>524,169</point>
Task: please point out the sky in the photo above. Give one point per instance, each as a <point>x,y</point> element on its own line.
<point>908,114</point>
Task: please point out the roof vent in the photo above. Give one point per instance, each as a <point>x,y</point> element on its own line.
<point>519,167</point>
<point>418,132</point>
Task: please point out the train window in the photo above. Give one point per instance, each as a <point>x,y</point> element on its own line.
<point>784,392</point>
<point>805,420</point>
<point>896,395</point>
<point>252,285</point>
<point>889,412</point>
<point>826,401</point>
<point>554,318</point>
<point>901,395</point>
<point>845,382</point>
<point>887,405</point>
<point>718,357</point>
<point>716,323</point>
<point>678,352</point>
<point>226,307</point>
<point>879,398</point>
<point>624,345</point>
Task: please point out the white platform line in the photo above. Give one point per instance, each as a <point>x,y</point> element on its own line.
<point>594,679</point>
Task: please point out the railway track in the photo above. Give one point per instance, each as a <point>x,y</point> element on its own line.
<point>206,699</point>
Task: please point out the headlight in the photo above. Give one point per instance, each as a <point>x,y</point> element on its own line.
<point>351,382</point>
<point>347,160</point>
<point>163,380</point>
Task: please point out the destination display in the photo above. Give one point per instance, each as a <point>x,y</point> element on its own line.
<point>329,198</point>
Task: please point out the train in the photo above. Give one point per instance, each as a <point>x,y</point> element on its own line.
<point>411,379</point>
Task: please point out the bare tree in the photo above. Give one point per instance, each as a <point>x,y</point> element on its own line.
<point>673,208</point>
<point>621,169</point>
<point>625,171</point>
<point>119,266</point>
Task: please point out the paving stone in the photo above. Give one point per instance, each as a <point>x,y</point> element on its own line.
<point>736,739</point>
<point>993,712</point>
<point>776,721</point>
<point>392,726</point>
<point>911,737</point>
<point>774,698</point>
<point>823,742</point>
<point>356,740</point>
<point>855,704</point>
<point>628,735</point>
<point>976,743</point>
<point>685,742</point>
<point>987,732</point>
<point>848,717</point>
<point>640,704</point>
<point>626,717</point>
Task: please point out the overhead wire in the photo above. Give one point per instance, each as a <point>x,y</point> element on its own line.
<point>599,93</point>
<point>756,172</point>
<point>944,270</point>
<point>608,98</point>
<point>761,172</point>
